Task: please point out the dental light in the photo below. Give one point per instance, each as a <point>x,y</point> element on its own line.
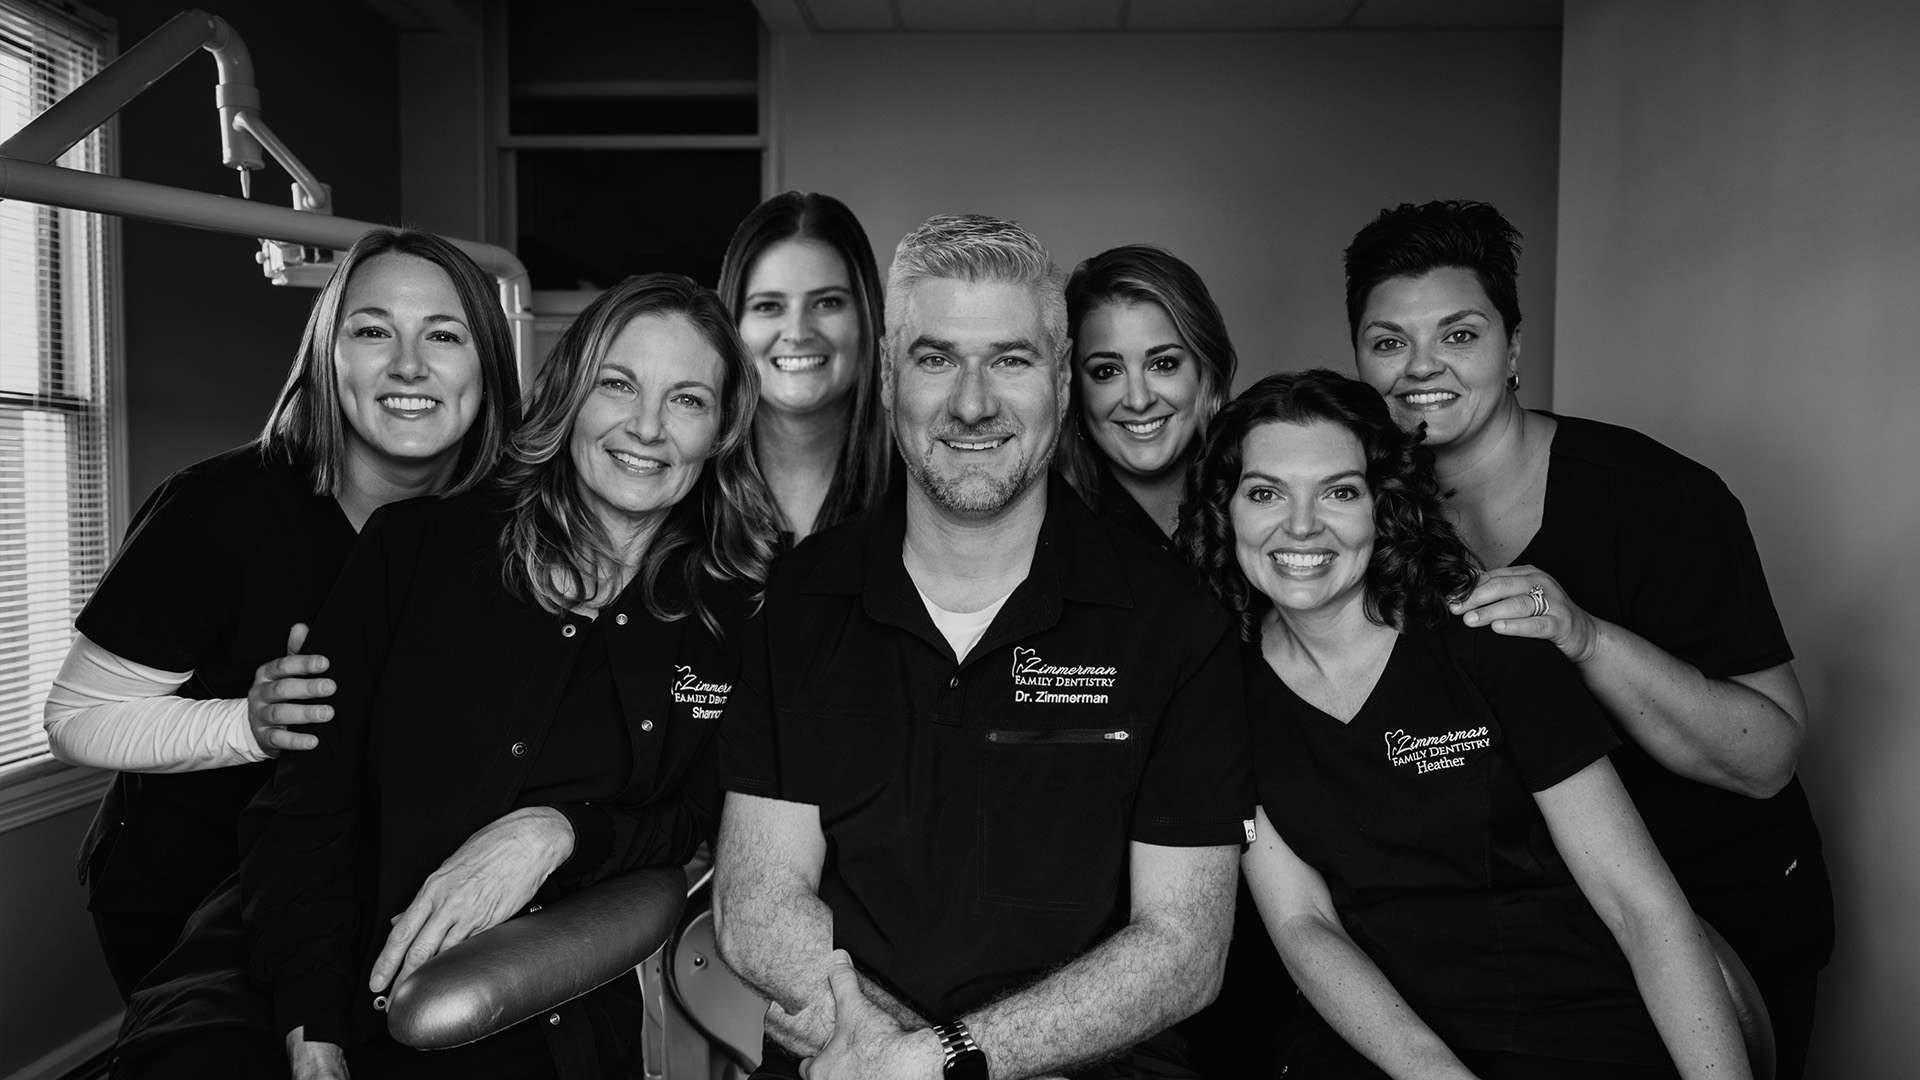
<point>307,235</point>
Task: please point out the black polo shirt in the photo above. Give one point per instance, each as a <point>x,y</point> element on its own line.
<point>977,814</point>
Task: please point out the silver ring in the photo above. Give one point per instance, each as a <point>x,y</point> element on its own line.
<point>1540,606</point>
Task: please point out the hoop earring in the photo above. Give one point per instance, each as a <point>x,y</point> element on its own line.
<point>1513,382</point>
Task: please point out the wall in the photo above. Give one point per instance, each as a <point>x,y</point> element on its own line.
<point>207,344</point>
<point>208,341</point>
<point>1739,268</point>
<point>1254,156</point>
<point>55,993</point>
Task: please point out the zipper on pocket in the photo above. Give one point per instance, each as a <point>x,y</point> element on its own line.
<point>1066,735</point>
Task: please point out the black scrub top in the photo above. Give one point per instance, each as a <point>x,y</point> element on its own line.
<point>978,814</point>
<point>217,566</point>
<point>1644,538</point>
<point>457,703</point>
<point>1419,814</point>
<point>1118,506</point>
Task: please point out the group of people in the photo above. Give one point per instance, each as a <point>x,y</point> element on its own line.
<point>995,645</point>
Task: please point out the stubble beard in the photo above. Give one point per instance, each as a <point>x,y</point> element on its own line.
<point>972,491</point>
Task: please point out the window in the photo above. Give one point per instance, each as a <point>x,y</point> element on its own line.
<point>57,282</point>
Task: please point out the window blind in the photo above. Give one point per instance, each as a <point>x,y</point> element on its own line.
<point>55,488</point>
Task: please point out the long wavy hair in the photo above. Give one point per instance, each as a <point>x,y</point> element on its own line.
<point>1419,560</point>
<point>1143,274</point>
<point>306,423</point>
<point>866,455</point>
<point>557,553</point>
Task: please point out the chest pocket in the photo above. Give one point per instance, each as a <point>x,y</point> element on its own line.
<point>1054,813</point>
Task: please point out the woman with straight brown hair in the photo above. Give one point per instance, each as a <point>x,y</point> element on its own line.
<point>804,290</point>
<point>404,385</point>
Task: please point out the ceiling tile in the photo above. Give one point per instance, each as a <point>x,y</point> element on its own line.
<point>1011,15</point>
<point>1238,14</point>
<point>831,15</point>
<point>781,16</point>
<point>1456,14</point>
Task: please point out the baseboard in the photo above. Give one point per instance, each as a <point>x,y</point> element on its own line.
<point>75,1053</point>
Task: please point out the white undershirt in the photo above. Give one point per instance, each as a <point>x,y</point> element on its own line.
<point>111,713</point>
<point>962,629</point>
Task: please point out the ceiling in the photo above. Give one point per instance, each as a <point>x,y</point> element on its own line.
<point>938,16</point>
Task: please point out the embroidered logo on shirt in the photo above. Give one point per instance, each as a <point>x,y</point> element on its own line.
<point>1428,753</point>
<point>1060,684</point>
<point>707,699</point>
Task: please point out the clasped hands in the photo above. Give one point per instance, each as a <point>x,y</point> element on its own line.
<point>866,1043</point>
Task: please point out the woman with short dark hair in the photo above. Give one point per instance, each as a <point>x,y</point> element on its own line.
<point>404,385</point>
<point>1444,856</point>
<point>1636,563</point>
<point>800,279</point>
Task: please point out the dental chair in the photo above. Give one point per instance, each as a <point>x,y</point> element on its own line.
<point>700,1021</point>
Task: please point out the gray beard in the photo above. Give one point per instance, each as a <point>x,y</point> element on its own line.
<point>953,494</point>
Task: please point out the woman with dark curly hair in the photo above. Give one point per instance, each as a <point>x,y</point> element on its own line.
<point>1444,857</point>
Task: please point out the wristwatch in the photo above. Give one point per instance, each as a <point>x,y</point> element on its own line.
<point>965,1061</point>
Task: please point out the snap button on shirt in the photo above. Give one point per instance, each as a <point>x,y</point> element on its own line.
<point>620,620</point>
<point>519,749</point>
<point>646,725</point>
<point>569,630</point>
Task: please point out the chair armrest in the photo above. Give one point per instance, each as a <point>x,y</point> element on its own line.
<point>531,964</point>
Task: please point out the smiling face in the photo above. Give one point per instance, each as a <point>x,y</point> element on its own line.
<point>649,423</point>
<point>1435,348</point>
<point>1303,516</point>
<point>405,366</point>
<point>802,326</point>
<point>1140,388</point>
<point>976,398</point>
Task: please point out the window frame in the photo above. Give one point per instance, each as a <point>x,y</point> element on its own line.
<point>33,791</point>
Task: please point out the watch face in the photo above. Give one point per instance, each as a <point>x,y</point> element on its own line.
<point>967,1065</point>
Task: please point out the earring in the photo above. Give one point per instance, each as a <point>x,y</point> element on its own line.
<point>1513,382</point>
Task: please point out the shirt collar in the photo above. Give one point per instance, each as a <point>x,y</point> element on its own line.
<point>1117,505</point>
<point>1075,559</point>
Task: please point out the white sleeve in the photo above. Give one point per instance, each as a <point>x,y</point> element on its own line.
<point>111,713</point>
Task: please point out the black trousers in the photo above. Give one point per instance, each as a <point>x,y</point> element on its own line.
<point>518,1053</point>
<point>134,942</point>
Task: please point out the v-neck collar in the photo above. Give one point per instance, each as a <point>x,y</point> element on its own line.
<point>1366,707</point>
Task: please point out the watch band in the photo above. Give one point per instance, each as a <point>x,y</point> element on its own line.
<point>965,1060</point>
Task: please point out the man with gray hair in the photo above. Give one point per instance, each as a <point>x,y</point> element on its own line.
<point>987,763</point>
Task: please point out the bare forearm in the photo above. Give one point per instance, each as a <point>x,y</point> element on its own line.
<point>781,948</point>
<point>1140,981</point>
<point>1715,731</point>
<point>1349,991</point>
<point>779,944</point>
<point>1685,993</point>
